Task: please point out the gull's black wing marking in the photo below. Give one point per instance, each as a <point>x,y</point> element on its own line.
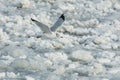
<point>58,23</point>
<point>42,26</point>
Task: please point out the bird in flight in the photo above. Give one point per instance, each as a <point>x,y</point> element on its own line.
<point>46,29</point>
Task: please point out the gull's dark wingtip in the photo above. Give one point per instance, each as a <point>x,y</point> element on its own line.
<point>33,19</point>
<point>62,16</point>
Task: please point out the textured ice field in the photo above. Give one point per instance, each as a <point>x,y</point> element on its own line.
<point>85,47</point>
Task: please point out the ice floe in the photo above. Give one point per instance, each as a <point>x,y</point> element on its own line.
<point>85,47</point>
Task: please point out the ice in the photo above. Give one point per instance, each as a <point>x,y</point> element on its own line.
<point>38,63</point>
<point>115,77</point>
<point>20,64</point>
<point>82,56</point>
<point>98,69</point>
<point>2,74</point>
<point>85,47</point>
<point>56,57</point>
<point>117,5</point>
<point>3,35</point>
<point>104,61</point>
<point>69,28</point>
<point>29,78</point>
<point>11,75</point>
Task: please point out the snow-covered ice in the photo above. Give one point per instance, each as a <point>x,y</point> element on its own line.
<point>85,47</point>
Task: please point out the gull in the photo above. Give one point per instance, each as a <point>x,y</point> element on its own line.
<point>48,30</point>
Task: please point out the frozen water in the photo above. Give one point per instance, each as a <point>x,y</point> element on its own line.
<point>85,47</point>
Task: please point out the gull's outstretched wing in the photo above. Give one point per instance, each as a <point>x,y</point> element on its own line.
<point>58,23</point>
<point>42,26</point>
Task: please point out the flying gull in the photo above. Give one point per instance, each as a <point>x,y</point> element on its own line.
<point>46,29</point>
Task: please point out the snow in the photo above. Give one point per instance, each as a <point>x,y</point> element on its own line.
<point>85,47</point>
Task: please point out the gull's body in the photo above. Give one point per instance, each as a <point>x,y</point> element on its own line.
<point>46,29</point>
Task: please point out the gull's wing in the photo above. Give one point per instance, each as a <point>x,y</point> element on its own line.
<point>58,23</point>
<point>42,26</point>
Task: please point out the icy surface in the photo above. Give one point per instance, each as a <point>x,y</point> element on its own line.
<point>85,47</point>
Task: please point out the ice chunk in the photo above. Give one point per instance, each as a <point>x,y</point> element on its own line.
<point>26,3</point>
<point>39,63</point>
<point>55,57</point>
<point>69,28</point>
<point>3,35</point>
<point>82,55</point>
<point>2,74</point>
<point>60,70</point>
<point>98,69</point>
<point>29,78</point>
<point>11,75</point>
<point>117,5</point>
<point>20,64</point>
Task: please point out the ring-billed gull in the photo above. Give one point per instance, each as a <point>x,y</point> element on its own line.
<point>46,29</point>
